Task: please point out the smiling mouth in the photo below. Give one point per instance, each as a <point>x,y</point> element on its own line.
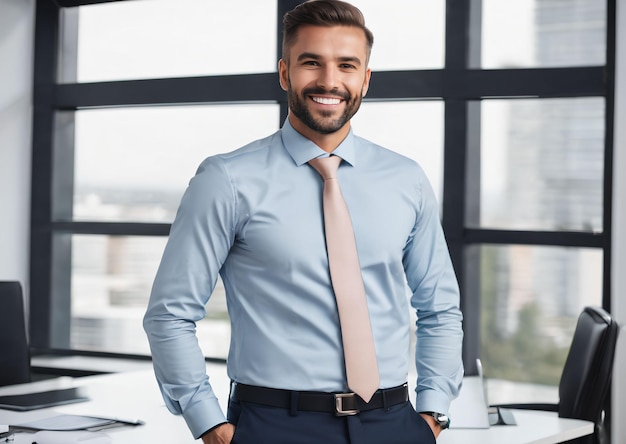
<point>326,100</point>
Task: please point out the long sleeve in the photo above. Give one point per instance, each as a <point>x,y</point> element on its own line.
<point>435,296</point>
<point>199,242</point>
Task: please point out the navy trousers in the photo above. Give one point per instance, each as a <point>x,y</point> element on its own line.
<point>258,424</point>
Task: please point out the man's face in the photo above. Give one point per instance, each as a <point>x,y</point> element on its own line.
<point>326,77</point>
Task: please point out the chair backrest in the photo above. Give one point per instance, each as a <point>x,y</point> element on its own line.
<point>14,351</point>
<point>587,372</point>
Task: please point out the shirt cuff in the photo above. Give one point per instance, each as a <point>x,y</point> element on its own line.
<point>203,416</point>
<point>212,428</point>
<point>432,401</point>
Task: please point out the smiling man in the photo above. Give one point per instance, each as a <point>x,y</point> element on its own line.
<point>324,71</point>
<point>320,326</point>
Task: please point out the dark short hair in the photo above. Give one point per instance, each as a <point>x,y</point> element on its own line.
<point>323,13</point>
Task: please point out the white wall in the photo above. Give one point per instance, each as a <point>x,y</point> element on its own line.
<point>16,61</point>
<point>618,251</point>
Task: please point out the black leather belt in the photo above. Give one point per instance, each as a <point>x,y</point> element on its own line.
<point>341,404</point>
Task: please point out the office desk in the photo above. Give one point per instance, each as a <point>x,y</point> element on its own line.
<point>123,395</point>
<point>134,395</point>
<point>532,428</point>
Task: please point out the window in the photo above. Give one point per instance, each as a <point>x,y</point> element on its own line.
<point>531,297</point>
<point>542,164</point>
<point>414,41</point>
<point>161,38</point>
<point>133,164</point>
<point>508,109</point>
<point>543,33</point>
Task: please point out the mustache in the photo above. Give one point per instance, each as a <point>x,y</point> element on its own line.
<point>322,91</point>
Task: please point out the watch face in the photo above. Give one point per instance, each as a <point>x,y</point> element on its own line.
<point>443,421</point>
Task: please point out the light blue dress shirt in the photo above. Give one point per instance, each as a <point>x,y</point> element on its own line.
<point>254,216</point>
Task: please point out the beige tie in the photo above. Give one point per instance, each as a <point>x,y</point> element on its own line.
<point>345,275</point>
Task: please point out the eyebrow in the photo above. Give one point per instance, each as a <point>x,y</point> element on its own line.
<point>313,56</point>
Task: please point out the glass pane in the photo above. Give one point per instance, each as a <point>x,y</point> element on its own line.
<point>133,164</point>
<point>542,164</point>
<point>543,33</point>
<point>413,129</point>
<point>531,298</point>
<point>409,35</point>
<point>111,281</point>
<point>165,38</point>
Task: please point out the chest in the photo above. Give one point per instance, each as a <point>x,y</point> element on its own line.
<point>282,222</point>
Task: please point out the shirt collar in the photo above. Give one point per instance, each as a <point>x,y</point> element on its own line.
<point>302,149</point>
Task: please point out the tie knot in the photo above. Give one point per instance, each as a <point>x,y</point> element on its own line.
<point>326,166</point>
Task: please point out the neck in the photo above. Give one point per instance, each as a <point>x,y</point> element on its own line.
<point>327,142</point>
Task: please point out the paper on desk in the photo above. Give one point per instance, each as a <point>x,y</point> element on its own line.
<point>73,422</point>
<point>63,437</point>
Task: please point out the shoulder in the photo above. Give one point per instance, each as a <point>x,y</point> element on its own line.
<point>250,152</point>
<point>217,172</point>
<point>379,157</point>
<point>250,156</point>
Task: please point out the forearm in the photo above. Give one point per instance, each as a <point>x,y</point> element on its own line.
<point>438,360</point>
<point>180,370</point>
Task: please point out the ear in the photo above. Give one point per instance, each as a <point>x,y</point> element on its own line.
<point>366,82</point>
<point>283,74</point>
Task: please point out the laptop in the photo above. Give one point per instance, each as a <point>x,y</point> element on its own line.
<point>40,400</point>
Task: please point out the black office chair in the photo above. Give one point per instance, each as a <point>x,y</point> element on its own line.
<point>14,351</point>
<point>586,376</point>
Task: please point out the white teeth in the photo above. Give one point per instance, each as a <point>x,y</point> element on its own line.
<point>326,100</point>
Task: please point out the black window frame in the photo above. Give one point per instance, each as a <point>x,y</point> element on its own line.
<point>460,86</point>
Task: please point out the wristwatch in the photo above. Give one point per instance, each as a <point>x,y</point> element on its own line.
<point>442,420</point>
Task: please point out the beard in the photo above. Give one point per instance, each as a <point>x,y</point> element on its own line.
<point>325,124</point>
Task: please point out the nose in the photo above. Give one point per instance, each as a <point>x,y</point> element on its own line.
<point>328,78</point>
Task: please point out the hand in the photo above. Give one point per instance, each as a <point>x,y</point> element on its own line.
<point>222,434</point>
<point>434,425</point>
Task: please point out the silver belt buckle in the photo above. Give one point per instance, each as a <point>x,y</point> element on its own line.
<point>339,410</point>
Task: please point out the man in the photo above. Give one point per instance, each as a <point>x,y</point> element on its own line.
<point>255,216</point>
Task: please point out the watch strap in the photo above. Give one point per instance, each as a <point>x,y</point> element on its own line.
<point>442,419</point>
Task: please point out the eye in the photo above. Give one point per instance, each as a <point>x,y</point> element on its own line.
<point>347,66</point>
<point>310,63</point>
